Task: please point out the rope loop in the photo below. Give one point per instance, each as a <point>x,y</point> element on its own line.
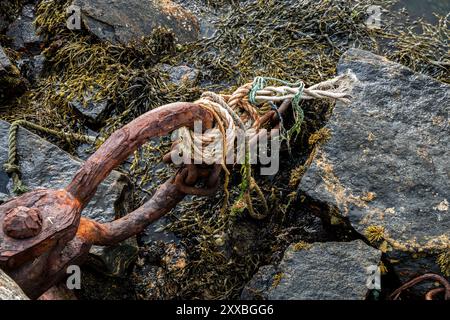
<point>12,168</point>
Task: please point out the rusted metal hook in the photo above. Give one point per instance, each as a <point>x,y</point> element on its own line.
<point>184,180</point>
<point>42,232</point>
<point>425,277</point>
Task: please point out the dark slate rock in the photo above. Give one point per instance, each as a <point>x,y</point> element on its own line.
<point>85,150</point>
<point>45,165</point>
<point>387,163</point>
<point>5,63</point>
<point>206,15</point>
<point>156,232</point>
<point>93,111</point>
<point>123,21</point>
<point>115,260</point>
<point>180,75</point>
<point>32,68</point>
<point>324,271</point>
<point>11,82</point>
<point>23,32</point>
<point>9,290</point>
<point>258,287</point>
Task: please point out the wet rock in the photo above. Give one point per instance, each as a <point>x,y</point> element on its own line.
<point>85,150</point>
<point>206,16</point>
<point>121,22</point>
<point>5,63</point>
<point>9,290</point>
<point>93,111</point>
<point>258,287</point>
<point>180,75</point>
<point>155,273</point>
<point>23,32</point>
<point>385,169</point>
<point>11,82</point>
<point>156,232</point>
<point>32,68</point>
<point>321,271</point>
<point>114,260</point>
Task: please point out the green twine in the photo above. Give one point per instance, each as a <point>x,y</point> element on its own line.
<point>299,115</point>
<point>260,83</point>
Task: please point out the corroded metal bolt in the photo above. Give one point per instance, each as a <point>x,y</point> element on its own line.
<point>22,223</point>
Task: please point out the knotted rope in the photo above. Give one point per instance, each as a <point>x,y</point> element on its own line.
<point>240,110</point>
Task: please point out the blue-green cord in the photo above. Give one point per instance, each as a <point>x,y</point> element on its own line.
<point>260,83</point>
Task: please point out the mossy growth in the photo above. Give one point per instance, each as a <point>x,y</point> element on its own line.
<point>443,261</point>
<point>375,233</point>
<point>320,136</point>
<point>383,268</point>
<point>277,279</point>
<point>296,175</point>
<point>301,245</point>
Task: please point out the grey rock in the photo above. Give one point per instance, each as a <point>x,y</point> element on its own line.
<point>387,162</point>
<point>258,287</point>
<point>45,165</point>
<point>114,260</point>
<point>3,197</point>
<point>93,111</point>
<point>85,150</point>
<point>9,290</point>
<point>206,15</point>
<point>5,63</point>
<point>23,32</point>
<point>156,232</point>
<point>11,82</point>
<point>121,22</point>
<point>324,271</point>
<point>32,68</point>
<point>179,75</point>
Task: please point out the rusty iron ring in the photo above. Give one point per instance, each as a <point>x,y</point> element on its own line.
<point>184,180</point>
<point>429,296</point>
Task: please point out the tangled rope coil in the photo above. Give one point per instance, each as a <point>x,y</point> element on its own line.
<point>240,111</point>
